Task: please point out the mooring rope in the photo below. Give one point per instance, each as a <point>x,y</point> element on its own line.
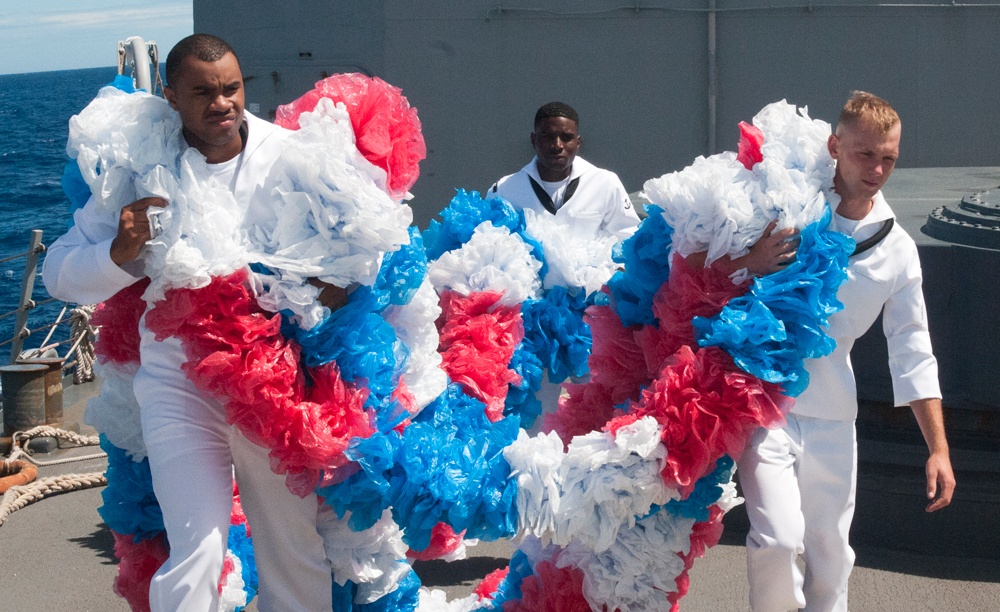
<point>83,334</point>
<point>17,497</point>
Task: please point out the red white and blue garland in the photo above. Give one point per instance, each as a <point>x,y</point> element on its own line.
<point>405,407</point>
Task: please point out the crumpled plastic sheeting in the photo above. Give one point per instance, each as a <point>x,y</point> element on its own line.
<point>645,256</point>
<point>330,219</point>
<point>637,571</point>
<point>232,589</point>
<point>445,545</point>
<point>459,220</point>
<point>796,172</point>
<point>706,407</point>
<point>241,551</point>
<point>137,562</point>
<point>479,334</point>
<point>115,411</point>
<point>119,136</point>
<point>574,262</point>
<point>711,206</point>
<point>555,331</point>
<point>451,469</point>
<point>118,317</point>
<point>414,324</point>
<point>550,588</point>
<point>606,481</point>
<point>521,399</point>
<point>492,260</point>
<point>386,129</point>
<point>237,354</point>
<point>716,488</point>
<point>404,598</point>
<point>782,320</point>
<point>201,233</point>
<point>373,559</point>
<point>435,600</point>
<point>598,487</point>
<point>130,506</point>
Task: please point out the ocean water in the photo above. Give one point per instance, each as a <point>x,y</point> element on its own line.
<point>34,114</point>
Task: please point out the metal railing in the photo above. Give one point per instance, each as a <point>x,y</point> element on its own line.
<point>26,305</point>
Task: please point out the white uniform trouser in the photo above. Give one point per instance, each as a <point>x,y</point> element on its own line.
<point>799,484</point>
<point>192,452</point>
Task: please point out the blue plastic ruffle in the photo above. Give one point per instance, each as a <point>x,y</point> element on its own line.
<point>130,506</point>
<point>521,400</point>
<point>241,545</point>
<point>646,257</point>
<point>404,598</point>
<point>356,336</point>
<point>707,492</point>
<point>466,211</point>
<point>555,332</point>
<point>510,587</point>
<point>403,271</point>
<point>782,320</point>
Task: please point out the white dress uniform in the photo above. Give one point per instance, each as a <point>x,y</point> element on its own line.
<point>192,449</point>
<point>799,481</point>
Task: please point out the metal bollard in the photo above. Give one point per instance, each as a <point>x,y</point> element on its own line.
<point>53,388</point>
<point>23,396</point>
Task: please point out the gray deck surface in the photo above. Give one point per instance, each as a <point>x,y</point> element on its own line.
<point>56,554</point>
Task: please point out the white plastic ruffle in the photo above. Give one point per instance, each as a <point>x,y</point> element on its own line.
<point>492,260</point>
<point>711,206</point>
<point>638,570</point>
<point>331,218</point>
<point>717,205</point>
<point>592,491</point>
<point>434,600</point>
<point>233,595</point>
<point>609,481</point>
<point>373,559</point>
<point>415,327</point>
<point>573,261</point>
<point>797,171</point>
<point>201,233</point>
<point>119,136</point>
<point>115,411</point>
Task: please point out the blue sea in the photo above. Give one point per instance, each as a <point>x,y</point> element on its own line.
<point>34,114</point>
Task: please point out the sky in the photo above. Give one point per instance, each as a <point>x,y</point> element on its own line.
<point>43,35</point>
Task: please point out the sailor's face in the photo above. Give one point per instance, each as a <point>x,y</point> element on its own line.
<point>209,98</point>
<point>556,142</point>
<point>865,158</point>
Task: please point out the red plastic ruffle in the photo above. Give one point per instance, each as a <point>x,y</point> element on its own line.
<point>706,407</point>
<point>551,589</point>
<point>137,564</point>
<point>751,139</point>
<point>478,338</point>
<point>118,317</point>
<point>386,129</point>
<point>491,583</point>
<point>237,353</point>
<point>444,541</point>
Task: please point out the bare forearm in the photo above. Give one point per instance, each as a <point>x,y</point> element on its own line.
<point>930,418</point>
<point>940,476</point>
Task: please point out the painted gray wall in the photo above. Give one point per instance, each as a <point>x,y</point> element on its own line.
<point>478,69</point>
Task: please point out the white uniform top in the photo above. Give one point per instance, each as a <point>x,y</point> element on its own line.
<point>886,275</point>
<point>78,266</point>
<point>599,205</point>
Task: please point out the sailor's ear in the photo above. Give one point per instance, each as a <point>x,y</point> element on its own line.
<point>831,145</point>
<point>168,93</point>
<point>532,140</point>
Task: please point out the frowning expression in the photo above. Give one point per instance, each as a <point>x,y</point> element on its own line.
<point>209,98</point>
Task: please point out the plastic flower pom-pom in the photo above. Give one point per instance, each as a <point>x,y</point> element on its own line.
<point>386,128</point>
<point>751,138</point>
<point>645,257</point>
<point>139,561</point>
<point>466,211</point>
<point>129,503</point>
<point>551,589</point>
<point>118,317</point>
<point>554,330</point>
